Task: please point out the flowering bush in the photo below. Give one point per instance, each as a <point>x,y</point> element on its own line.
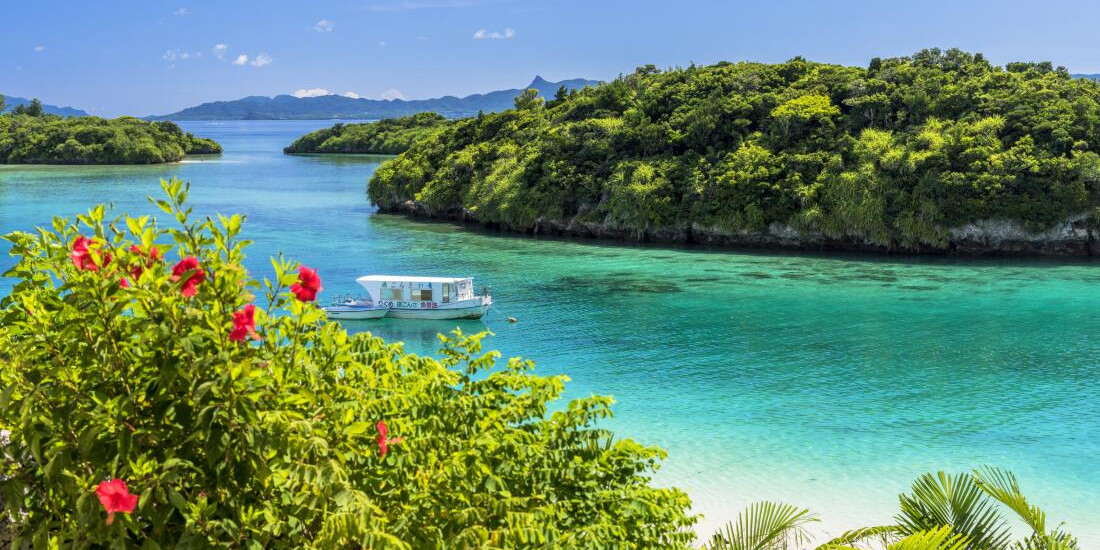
<point>157,396</point>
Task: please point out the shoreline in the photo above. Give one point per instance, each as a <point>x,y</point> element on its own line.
<point>1076,238</point>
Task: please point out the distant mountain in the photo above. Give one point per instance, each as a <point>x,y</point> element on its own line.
<point>12,101</point>
<point>1088,76</point>
<point>340,107</point>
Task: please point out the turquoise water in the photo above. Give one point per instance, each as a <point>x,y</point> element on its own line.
<point>825,381</point>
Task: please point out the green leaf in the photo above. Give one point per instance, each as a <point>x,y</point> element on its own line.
<point>764,526</point>
<point>357,428</point>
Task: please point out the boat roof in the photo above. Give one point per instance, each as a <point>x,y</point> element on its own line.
<point>409,279</point>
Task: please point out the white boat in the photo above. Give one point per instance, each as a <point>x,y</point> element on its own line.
<point>349,307</point>
<point>426,297</point>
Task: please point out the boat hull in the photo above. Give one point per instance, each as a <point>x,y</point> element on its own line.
<point>353,313</point>
<point>469,312</point>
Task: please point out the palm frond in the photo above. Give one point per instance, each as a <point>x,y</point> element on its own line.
<point>1058,540</point>
<point>764,526</point>
<point>941,538</point>
<point>939,500</point>
<point>1002,486</point>
<point>848,539</point>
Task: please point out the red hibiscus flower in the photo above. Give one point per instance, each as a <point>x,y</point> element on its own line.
<point>151,258</point>
<point>82,254</point>
<point>244,324</point>
<point>384,440</point>
<point>123,283</point>
<point>115,497</point>
<point>308,285</point>
<point>190,273</point>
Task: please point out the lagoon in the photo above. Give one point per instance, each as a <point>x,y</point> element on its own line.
<point>826,381</point>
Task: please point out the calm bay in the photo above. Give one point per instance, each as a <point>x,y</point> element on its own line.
<point>802,378</point>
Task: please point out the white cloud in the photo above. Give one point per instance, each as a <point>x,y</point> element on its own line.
<point>220,49</point>
<point>324,25</point>
<point>260,60</point>
<point>311,92</point>
<point>392,94</point>
<point>352,95</point>
<point>39,48</point>
<point>181,12</point>
<point>483,34</point>
<point>425,4</point>
<point>383,44</point>
<point>179,55</point>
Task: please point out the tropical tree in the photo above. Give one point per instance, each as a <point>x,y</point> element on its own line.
<point>528,100</point>
<point>33,109</point>
<point>942,512</point>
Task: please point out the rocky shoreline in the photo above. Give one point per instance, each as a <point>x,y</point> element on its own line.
<point>1075,237</point>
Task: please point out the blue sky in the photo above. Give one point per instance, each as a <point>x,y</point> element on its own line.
<point>145,57</point>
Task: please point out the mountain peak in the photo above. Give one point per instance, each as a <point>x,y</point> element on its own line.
<point>13,101</point>
<point>334,106</point>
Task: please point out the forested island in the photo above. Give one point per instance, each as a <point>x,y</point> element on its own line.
<point>386,137</point>
<point>30,136</point>
<point>940,151</point>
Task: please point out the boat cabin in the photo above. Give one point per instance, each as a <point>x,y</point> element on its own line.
<point>395,291</point>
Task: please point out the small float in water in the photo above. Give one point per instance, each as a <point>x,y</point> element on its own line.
<point>413,298</point>
<point>355,307</point>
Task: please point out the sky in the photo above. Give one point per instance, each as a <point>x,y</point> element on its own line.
<point>143,57</point>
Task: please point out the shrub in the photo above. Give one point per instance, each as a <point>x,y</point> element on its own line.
<point>240,418</point>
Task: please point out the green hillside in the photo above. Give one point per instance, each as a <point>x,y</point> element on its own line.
<point>892,155</point>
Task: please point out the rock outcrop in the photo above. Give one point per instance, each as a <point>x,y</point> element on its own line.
<point>1079,236</point>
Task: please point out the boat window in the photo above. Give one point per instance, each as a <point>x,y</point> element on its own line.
<point>448,289</point>
<point>393,294</point>
<point>422,294</point>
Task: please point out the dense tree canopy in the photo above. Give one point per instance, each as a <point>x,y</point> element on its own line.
<point>27,136</point>
<point>893,155</point>
<point>386,137</point>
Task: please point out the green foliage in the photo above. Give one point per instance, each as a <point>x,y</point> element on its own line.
<point>765,526</point>
<point>529,100</point>
<point>896,154</point>
<point>32,109</point>
<point>958,501</point>
<point>272,443</point>
<point>942,512</point>
<point>29,137</point>
<point>390,136</point>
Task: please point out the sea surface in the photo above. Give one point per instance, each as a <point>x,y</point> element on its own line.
<point>829,382</point>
